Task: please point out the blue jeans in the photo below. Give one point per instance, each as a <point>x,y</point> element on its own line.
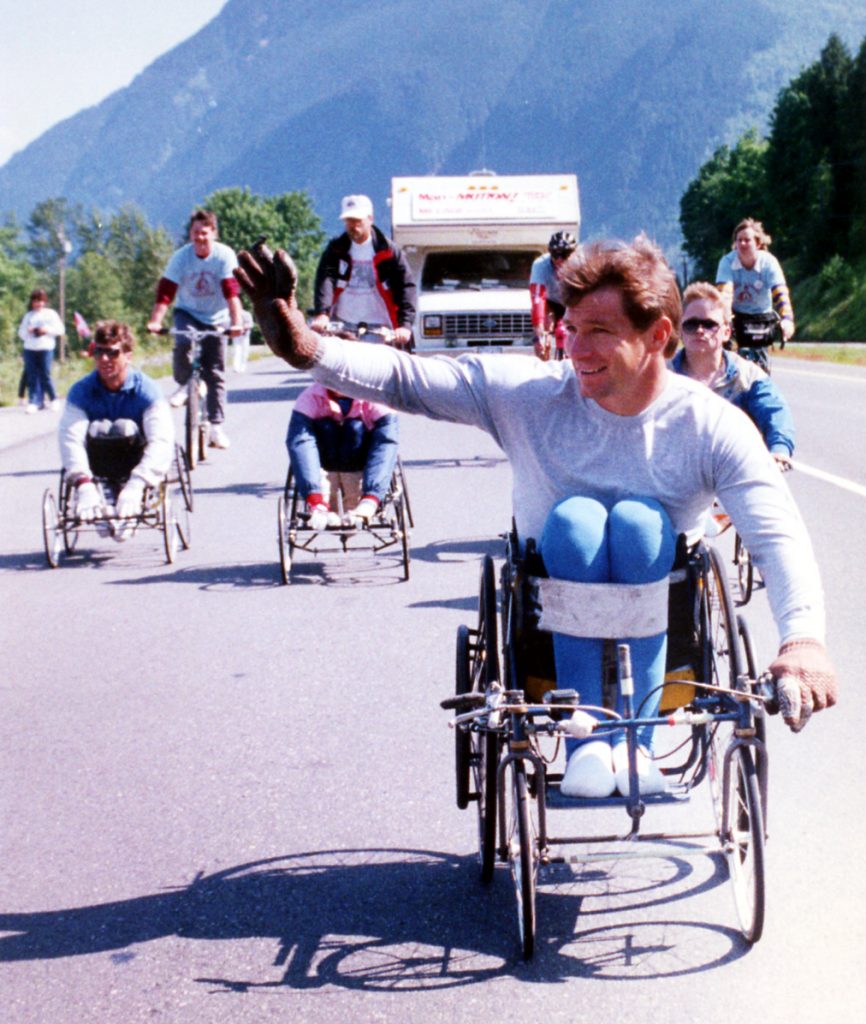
<point>37,367</point>
<point>633,542</point>
<point>347,447</point>
<point>212,361</point>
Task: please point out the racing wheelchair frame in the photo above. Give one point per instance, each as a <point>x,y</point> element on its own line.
<point>510,708</point>
<point>62,527</point>
<point>389,526</point>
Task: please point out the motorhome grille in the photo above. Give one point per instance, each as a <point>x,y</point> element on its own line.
<point>487,325</point>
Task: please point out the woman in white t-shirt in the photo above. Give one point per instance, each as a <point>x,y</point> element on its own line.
<point>39,330</point>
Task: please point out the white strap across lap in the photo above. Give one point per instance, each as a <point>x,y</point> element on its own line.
<point>604,611</point>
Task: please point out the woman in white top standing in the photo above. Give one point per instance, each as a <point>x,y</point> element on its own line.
<point>39,330</point>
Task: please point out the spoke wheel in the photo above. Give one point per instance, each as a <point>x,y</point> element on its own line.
<point>723,663</point>
<point>745,570</point>
<point>183,477</point>
<point>191,423</point>
<point>52,533</point>
<point>182,522</point>
<point>522,858</point>
<point>743,836</point>
<point>404,488</point>
<point>283,542</point>
<point>169,526</point>
<point>403,526</point>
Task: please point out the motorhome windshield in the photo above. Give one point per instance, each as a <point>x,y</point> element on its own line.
<point>479,269</point>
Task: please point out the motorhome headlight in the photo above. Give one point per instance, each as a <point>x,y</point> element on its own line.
<point>433,326</point>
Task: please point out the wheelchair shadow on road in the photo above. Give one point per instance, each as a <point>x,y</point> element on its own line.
<point>334,920</point>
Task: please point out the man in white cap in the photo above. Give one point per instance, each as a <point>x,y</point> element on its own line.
<point>363,278</point>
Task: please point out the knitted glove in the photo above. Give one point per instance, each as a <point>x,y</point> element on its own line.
<point>129,499</point>
<point>269,280</point>
<point>88,501</point>
<point>806,681</point>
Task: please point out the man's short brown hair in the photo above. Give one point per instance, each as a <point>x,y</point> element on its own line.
<point>113,332</point>
<point>638,270</point>
<point>704,291</point>
<point>207,217</point>
<point>762,238</point>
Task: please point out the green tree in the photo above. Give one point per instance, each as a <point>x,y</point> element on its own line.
<point>95,290</point>
<point>288,221</point>
<point>808,175</point>
<point>729,186</point>
<point>17,280</point>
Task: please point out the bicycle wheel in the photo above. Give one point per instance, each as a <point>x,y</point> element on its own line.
<point>522,859</point>
<point>762,763</point>
<point>283,542</point>
<point>183,478</point>
<point>52,531</point>
<point>169,526</point>
<point>403,527</point>
<point>487,744</point>
<point>743,842</point>
<point>191,423</point>
<point>182,522</point>
<point>723,664</point>
<point>745,570</point>
<point>404,487</point>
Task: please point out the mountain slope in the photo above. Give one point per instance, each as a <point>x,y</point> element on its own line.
<point>285,94</point>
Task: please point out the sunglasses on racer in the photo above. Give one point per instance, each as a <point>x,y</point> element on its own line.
<point>691,325</point>
<point>109,353</point>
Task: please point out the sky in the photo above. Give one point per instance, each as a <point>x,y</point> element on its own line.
<point>59,56</point>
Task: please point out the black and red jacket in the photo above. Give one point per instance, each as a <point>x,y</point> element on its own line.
<point>393,276</point>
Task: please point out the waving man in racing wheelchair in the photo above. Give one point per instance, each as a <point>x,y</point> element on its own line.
<point>116,425</point>
<point>640,454</point>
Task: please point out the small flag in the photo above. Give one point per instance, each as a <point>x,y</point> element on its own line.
<point>81,327</point>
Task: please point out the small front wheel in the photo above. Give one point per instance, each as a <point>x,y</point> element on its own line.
<point>743,841</point>
<point>522,856</point>
<point>745,570</point>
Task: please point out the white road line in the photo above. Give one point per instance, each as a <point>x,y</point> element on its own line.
<point>830,478</point>
<point>851,379</point>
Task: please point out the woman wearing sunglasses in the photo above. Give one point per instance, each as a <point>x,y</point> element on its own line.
<point>705,329</point>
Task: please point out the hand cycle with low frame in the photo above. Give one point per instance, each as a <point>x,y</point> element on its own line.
<point>389,526</point>
<point>507,720</point>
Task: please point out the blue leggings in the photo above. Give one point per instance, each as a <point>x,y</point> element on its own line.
<point>633,542</point>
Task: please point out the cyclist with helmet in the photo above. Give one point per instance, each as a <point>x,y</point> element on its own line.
<point>544,293</point>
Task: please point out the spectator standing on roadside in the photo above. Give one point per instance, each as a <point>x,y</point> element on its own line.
<point>199,280</point>
<point>363,278</point>
<point>40,330</point>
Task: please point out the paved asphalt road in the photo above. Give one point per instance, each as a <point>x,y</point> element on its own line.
<point>225,800</point>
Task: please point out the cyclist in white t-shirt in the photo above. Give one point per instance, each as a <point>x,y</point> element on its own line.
<point>363,278</point>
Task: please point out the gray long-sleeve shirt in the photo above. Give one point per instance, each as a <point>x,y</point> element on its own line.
<point>685,448</point>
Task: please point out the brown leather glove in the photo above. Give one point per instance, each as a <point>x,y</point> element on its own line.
<point>806,681</point>
<point>270,280</point>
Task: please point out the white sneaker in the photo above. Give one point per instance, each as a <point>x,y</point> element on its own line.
<point>55,405</point>
<point>178,399</point>
<point>218,438</point>
<point>649,777</point>
<point>31,408</point>
<point>364,510</point>
<point>320,517</point>
<point>589,772</point>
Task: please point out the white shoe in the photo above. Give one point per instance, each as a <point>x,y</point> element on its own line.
<point>364,511</point>
<point>649,777</point>
<point>178,399</point>
<point>320,517</point>
<point>31,408</point>
<point>589,772</point>
<point>55,405</point>
<point>218,438</point>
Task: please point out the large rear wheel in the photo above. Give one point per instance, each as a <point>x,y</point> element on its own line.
<point>52,531</point>
<point>283,542</point>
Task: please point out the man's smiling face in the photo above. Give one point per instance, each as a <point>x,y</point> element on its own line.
<point>617,364</point>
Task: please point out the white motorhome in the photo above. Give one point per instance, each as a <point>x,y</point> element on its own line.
<point>470,242</point>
